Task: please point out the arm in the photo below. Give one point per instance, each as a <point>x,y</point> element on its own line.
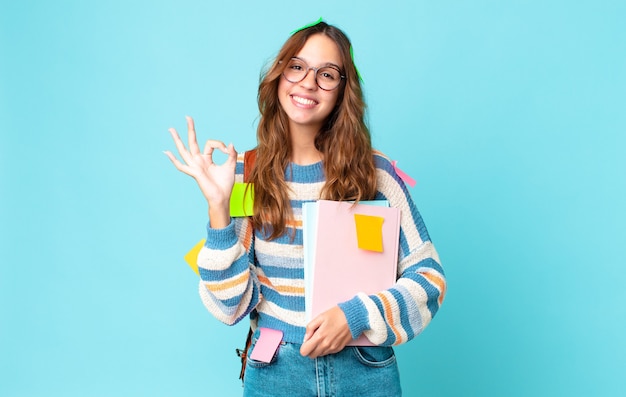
<point>228,287</point>
<point>400,313</point>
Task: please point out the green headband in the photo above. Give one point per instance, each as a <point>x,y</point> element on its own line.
<point>308,25</point>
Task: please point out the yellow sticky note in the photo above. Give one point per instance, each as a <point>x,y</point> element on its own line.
<point>191,257</point>
<point>369,232</point>
<point>242,200</point>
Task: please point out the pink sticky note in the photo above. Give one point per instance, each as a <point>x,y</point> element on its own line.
<point>266,345</point>
<point>407,179</point>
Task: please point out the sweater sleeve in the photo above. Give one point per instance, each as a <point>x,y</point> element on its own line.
<point>229,287</point>
<point>397,315</point>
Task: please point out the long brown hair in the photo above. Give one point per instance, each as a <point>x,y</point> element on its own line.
<point>344,140</point>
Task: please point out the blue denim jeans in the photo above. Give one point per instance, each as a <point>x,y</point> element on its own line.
<point>354,371</point>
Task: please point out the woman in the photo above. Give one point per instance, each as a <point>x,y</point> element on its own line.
<point>313,144</point>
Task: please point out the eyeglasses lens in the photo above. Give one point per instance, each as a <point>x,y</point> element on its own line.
<point>328,78</point>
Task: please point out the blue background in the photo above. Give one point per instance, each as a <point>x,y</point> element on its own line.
<point>511,116</point>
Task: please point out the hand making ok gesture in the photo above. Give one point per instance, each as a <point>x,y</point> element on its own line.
<point>215,181</point>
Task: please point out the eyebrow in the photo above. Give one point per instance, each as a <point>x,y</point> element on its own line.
<point>322,65</point>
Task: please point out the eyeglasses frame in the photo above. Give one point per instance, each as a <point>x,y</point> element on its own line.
<point>315,70</point>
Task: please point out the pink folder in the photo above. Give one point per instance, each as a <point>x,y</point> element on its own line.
<point>336,269</point>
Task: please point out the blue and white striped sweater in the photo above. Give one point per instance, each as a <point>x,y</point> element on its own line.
<point>241,273</point>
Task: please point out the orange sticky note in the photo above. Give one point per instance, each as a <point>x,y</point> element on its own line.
<point>242,200</point>
<point>369,232</point>
<point>191,257</point>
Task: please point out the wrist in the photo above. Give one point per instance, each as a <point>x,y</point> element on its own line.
<point>219,216</point>
<point>356,315</point>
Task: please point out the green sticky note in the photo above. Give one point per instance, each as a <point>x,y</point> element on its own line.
<point>369,232</point>
<point>242,200</point>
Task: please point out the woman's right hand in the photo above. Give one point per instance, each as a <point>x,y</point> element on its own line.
<point>215,181</point>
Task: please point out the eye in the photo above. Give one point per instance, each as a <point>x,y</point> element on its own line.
<point>295,65</point>
<point>328,74</point>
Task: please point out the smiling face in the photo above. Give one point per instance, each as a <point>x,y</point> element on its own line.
<point>305,103</point>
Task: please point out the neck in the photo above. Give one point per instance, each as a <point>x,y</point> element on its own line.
<point>303,151</point>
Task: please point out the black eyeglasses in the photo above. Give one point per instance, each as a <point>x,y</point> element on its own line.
<point>327,77</point>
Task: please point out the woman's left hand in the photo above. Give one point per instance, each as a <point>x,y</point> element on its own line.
<point>326,334</point>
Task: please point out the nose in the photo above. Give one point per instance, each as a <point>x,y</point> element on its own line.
<point>309,82</point>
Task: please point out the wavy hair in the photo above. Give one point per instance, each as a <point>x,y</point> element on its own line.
<point>344,140</point>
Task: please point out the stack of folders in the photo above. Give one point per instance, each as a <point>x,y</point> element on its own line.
<point>348,248</point>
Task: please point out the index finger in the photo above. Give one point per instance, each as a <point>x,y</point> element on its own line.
<point>210,146</point>
<point>306,349</point>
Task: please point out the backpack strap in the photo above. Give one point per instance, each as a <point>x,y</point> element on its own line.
<point>243,354</point>
<point>249,158</point>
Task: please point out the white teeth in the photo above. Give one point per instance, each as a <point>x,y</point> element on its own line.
<point>303,101</point>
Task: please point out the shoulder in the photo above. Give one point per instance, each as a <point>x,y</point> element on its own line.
<point>383,163</point>
<point>386,175</point>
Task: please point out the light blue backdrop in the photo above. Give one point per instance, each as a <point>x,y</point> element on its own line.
<point>511,116</point>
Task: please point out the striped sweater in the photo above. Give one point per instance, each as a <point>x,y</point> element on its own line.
<point>243,274</point>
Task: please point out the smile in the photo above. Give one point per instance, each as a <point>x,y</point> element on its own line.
<point>303,101</point>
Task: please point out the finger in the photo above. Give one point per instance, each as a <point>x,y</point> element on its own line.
<point>179,166</point>
<point>317,349</point>
<point>307,335</point>
<point>211,145</point>
<point>191,133</point>
<point>232,154</point>
<point>311,327</point>
<point>315,323</point>
<point>308,345</point>
<point>306,349</point>
<point>180,146</point>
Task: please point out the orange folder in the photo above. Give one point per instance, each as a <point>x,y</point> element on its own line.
<point>343,255</point>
